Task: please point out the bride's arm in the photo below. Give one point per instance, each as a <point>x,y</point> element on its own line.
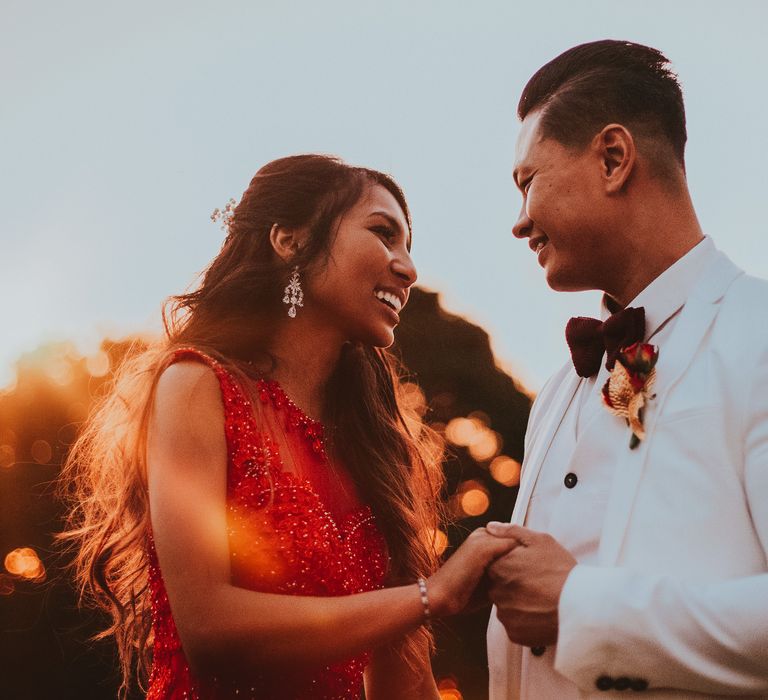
<point>225,627</point>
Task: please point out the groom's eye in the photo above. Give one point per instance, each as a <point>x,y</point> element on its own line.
<point>526,184</point>
<point>523,184</point>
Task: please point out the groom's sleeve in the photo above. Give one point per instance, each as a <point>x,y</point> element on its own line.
<point>659,632</point>
<point>616,623</point>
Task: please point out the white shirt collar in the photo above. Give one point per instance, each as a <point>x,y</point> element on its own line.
<point>667,294</point>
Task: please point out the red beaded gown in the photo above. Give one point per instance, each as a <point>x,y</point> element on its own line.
<point>295,534</point>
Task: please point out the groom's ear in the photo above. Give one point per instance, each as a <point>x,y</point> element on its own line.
<point>617,153</point>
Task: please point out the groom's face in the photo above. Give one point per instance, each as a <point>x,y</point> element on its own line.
<point>562,212</point>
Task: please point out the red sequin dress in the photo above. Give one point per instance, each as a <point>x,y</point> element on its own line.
<point>288,534</point>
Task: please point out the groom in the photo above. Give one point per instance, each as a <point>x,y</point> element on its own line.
<point>642,515</point>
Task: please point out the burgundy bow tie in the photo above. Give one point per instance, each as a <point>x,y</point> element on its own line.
<point>588,338</point>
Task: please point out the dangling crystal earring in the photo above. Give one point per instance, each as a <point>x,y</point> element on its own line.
<point>293,294</point>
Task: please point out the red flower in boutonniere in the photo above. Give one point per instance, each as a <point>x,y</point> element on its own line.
<point>630,384</point>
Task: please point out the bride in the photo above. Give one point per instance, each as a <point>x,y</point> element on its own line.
<point>249,503</point>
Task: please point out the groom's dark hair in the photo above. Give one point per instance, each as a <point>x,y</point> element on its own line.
<point>608,81</point>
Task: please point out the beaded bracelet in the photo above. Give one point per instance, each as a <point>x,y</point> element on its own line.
<point>424,598</point>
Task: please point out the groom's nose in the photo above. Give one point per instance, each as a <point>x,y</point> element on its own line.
<point>523,226</point>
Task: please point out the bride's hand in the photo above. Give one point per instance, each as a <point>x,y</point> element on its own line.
<point>450,587</point>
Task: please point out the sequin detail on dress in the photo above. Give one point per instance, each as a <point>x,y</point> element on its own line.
<point>282,539</point>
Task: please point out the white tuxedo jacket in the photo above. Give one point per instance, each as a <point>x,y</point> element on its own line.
<point>679,597</point>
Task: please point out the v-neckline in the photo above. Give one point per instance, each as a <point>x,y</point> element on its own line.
<point>271,391</point>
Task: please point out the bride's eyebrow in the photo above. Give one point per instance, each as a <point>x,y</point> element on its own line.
<point>390,219</point>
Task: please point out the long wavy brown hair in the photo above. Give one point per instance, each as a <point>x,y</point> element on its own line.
<point>394,461</point>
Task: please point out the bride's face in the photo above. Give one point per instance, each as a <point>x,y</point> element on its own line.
<point>366,280</point>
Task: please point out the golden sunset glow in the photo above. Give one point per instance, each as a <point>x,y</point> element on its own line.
<point>438,539</point>
<point>413,398</point>
<point>485,445</point>
<point>25,563</point>
<point>448,689</point>
<point>473,498</point>
<point>475,434</point>
<point>98,364</point>
<point>414,406</point>
<point>59,370</point>
<point>460,431</point>
<point>450,694</point>
<point>505,470</point>
<point>475,502</point>
<point>129,123</point>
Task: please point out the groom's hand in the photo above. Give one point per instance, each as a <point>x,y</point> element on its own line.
<point>526,584</point>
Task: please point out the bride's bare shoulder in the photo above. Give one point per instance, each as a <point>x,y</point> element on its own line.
<point>186,390</point>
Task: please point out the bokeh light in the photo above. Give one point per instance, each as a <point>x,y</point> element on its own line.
<point>438,539</point>
<point>98,364</point>
<point>474,433</point>
<point>25,563</point>
<point>475,502</point>
<point>505,470</point>
<point>414,406</point>
<point>449,689</point>
<point>450,694</point>
<point>37,446</point>
<point>413,398</point>
<point>460,431</point>
<point>486,445</point>
<point>41,451</point>
<point>473,498</point>
<point>59,369</point>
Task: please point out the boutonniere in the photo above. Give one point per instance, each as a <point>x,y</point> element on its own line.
<point>629,386</point>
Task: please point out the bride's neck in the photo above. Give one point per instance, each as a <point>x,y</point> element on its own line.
<point>305,357</point>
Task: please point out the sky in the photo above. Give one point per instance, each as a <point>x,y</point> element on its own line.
<point>123,125</point>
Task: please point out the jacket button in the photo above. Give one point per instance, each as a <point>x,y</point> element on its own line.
<point>538,651</point>
<point>604,683</point>
<point>639,685</point>
<point>622,683</point>
<point>570,480</point>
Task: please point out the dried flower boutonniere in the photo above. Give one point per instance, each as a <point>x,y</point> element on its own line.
<point>629,386</point>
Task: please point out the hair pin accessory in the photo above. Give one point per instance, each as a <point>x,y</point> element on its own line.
<point>227,214</point>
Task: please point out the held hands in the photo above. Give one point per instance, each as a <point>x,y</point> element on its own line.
<point>451,587</point>
<point>527,572</point>
<point>526,584</point>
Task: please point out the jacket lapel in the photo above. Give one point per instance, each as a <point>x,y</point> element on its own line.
<point>541,442</point>
<point>675,357</point>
